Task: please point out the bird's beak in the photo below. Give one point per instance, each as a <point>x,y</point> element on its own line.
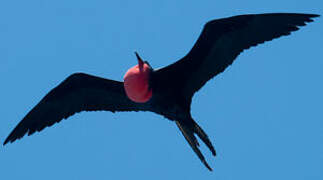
<point>140,61</point>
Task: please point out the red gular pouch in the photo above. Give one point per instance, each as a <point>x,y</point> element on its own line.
<point>136,82</point>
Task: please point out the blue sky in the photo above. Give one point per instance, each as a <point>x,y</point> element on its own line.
<point>263,114</point>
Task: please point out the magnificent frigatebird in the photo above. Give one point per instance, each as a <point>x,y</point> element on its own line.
<point>167,91</point>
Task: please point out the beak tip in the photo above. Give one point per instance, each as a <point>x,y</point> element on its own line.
<point>138,57</point>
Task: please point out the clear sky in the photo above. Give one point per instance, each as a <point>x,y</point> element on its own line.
<point>264,114</point>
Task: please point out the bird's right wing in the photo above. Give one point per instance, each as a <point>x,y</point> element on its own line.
<point>221,41</point>
<point>79,92</point>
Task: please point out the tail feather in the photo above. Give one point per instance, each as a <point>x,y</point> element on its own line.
<point>188,132</point>
<point>202,135</point>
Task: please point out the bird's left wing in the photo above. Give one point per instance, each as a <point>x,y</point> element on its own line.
<point>221,41</point>
<point>79,92</point>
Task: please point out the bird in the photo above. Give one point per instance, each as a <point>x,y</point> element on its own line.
<point>166,91</point>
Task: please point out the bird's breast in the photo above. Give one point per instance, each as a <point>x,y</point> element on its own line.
<point>136,84</point>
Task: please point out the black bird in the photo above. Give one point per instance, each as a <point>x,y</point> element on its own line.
<point>167,91</point>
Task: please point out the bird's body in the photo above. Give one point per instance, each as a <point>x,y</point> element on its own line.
<point>167,91</point>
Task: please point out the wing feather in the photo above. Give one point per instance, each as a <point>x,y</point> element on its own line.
<point>221,41</point>
<point>79,92</point>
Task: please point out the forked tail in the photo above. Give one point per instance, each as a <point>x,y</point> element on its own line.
<point>188,129</point>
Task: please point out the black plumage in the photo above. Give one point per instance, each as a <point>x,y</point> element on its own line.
<point>173,86</point>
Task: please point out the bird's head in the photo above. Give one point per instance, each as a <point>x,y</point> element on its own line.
<point>136,81</point>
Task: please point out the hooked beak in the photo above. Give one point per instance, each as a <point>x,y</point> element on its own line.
<point>140,61</point>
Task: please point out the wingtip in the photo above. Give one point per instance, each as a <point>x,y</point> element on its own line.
<point>7,141</point>
<point>10,138</point>
<point>311,16</point>
<point>315,15</point>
